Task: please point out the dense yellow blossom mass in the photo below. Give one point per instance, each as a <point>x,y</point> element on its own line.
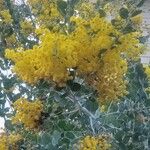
<point>5,16</point>
<point>94,143</point>
<point>8,142</point>
<point>46,12</point>
<point>95,49</point>
<point>27,113</point>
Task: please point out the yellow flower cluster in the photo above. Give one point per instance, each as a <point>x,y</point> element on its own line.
<point>86,10</point>
<point>95,143</point>
<point>11,41</point>
<point>119,23</point>
<point>96,50</point>
<point>27,27</point>
<point>147,70</point>
<point>6,17</point>
<point>111,77</point>
<point>2,5</point>
<point>137,20</point>
<point>46,12</point>
<point>130,45</point>
<point>48,61</point>
<point>9,141</point>
<point>27,113</point>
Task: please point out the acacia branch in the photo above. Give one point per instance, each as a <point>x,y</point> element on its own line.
<point>79,105</point>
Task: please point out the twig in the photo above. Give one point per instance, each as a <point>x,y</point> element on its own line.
<point>74,100</point>
<point>91,123</point>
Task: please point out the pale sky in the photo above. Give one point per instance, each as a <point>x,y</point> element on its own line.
<point>1,123</point>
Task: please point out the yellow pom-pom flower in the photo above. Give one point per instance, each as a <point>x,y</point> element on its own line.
<point>94,143</point>
<point>6,17</point>
<point>137,20</point>
<point>27,113</point>
<point>27,27</point>
<point>9,141</point>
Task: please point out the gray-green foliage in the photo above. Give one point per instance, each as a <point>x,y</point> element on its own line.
<point>72,112</point>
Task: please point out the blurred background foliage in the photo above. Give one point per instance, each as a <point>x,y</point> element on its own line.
<point>72,112</point>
